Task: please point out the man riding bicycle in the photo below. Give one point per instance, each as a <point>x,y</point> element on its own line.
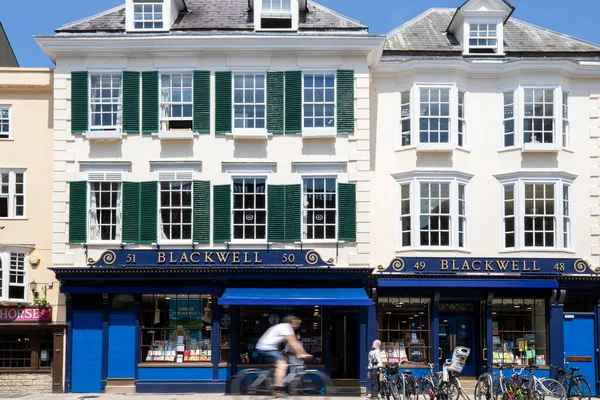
<point>271,344</point>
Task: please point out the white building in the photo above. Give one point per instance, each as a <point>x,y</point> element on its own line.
<point>485,160</point>
<point>203,146</point>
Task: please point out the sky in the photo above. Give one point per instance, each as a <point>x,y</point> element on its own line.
<point>577,18</point>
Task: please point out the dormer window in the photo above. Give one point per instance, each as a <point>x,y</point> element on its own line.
<point>148,15</point>
<point>483,38</point>
<point>276,14</point>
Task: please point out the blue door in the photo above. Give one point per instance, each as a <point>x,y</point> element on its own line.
<point>579,346</point>
<point>454,332</point>
<point>86,357</point>
<point>121,345</point>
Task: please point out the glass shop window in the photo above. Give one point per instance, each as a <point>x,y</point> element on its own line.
<point>519,331</point>
<point>256,320</point>
<point>405,329</point>
<point>176,328</point>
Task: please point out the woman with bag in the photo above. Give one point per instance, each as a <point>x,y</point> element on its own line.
<point>375,365</point>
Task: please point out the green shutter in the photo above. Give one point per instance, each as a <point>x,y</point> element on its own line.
<point>201,231</point>
<point>347,212</point>
<point>222,213</point>
<point>201,102</point>
<point>223,103</point>
<point>276,213</point>
<point>79,101</point>
<point>293,102</point>
<point>275,101</point>
<point>293,213</point>
<point>148,212</point>
<point>78,212</point>
<point>345,101</point>
<point>131,212</point>
<point>131,102</point>
<point>150,102</point>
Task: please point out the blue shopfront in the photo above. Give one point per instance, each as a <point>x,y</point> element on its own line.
<point>180,321</point>
<point>518,311</point>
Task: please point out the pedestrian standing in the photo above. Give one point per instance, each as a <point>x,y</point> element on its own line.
<point>374,367</point>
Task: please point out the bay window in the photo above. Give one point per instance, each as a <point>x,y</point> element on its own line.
<point>434,120</point>
<point>12,194</point>
<point>536,118</point>
<point>13,276</point>
<point>536,213</point>
<point>433,212</point>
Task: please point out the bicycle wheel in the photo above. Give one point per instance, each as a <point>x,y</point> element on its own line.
<point>252,382</point>
<point>483,388</point>
<point>580,390</point>
<point>395,394</point>
<point>384,390</point>
<point>427,389</point>
<point>509,391</point>
<point>551,389</point>
<point>401,384</point>
<point>312,383</point>
<point>410,388</point>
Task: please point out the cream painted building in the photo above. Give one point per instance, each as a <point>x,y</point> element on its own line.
<point>485,191</point>
<point>29,333</point>
<point>203,148</point>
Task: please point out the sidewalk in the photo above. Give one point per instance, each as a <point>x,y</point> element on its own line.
<point>100,396</point>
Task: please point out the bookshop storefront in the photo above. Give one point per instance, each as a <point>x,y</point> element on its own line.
<point>518,311</point>
<point>160,321</point>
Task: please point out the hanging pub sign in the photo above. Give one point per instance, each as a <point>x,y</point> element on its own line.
<point>209,258</point>
<point>491,266</point>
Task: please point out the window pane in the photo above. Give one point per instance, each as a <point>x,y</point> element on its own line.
<point>320,208</point>
<point>319,100</point>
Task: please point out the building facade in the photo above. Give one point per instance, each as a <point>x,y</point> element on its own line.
<point>31,320</point>
<point>486,141</point>
<point>211,176</point>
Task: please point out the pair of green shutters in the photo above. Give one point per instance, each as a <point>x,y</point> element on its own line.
<point>140,224</point>
<point>284,102</point>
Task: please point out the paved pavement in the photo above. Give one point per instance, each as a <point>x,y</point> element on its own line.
<point>79,396</point>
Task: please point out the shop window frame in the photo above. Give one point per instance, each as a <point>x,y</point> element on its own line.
<point>36,337</point>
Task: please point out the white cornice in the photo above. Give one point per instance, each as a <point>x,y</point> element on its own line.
<point>161,45</point>
<point>532,175</point>
<point>433,174</point>
<point>481,67</point>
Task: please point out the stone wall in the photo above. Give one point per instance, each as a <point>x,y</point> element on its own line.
<point>25,382</point>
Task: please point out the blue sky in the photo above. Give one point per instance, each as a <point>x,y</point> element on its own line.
<point>575,17</point>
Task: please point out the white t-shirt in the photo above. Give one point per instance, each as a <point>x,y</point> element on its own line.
<point>274,337</point>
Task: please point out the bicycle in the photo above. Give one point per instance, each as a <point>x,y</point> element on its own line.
<point>547,388</point>
<point>407,385</point>
<point>388,384</point>
<point>491,384</point>
<point>300,381</point>
<point>576,385</point>
<point>433,386</point>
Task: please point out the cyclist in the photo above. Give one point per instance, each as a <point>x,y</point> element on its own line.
<point>270,347</point>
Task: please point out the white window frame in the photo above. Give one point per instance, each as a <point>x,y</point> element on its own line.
<point>414,179</point>
<point>565,125</point>
<point>415,115</point>
<point>153,21</point>
<point>252,175</point>
<point>483,19</point>
<point>402,133</point>
<point>325,130</point>
<point>5,261</point>
<point>164,121</point>
<point>519,118</point>
<point>322,175</point>
<point>111,174</point>
<point>243,132</point>
<point>175,175</point>
<point>12,193</point>
<point>281,10</point>
<point>514,119</point>
<point>100,128</point>
<point>463,119</point>
<point>478,37</point>
<point>10,122</point>
<point>559,180</point>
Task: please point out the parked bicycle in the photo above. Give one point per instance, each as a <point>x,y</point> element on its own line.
<point>388,383</point>
<point>445,385</point>
<point>300,381</point>
<point>533,388</point>
<point>491,384</point>
<point>407,385</point>
<point>577,386</point>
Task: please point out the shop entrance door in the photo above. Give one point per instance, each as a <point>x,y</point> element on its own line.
<point>454,332</point>
<point>344,352</point>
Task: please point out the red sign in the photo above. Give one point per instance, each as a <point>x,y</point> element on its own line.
<point>29,314</point>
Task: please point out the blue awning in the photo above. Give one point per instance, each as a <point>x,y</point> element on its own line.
<point>295,297</point>
<point>470,283</point>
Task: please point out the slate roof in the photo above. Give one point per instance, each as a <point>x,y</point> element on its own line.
<point>428,33</point>
<point>7,55</point>
<point>218,15</point>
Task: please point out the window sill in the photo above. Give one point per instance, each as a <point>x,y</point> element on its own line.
<point>14,218</point>
<point>175,243</point>
<point>464,150</point>
<point>104,243</point>
<point>319,134</point>
<point>321,241</point>
<point>175,135</point>
<point>7,139</point>
<point>173,364</point>
<point>536,250</point>
<point>568,150</point>
<point>435,148</point>
<point>238,242</point>
<point>104,135</point>
<point>433,249</point>
<point>25,371</point>
<point>540,148</point>
<point>509,149</point>
<point>405,148</point>
<point>256,135</point>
